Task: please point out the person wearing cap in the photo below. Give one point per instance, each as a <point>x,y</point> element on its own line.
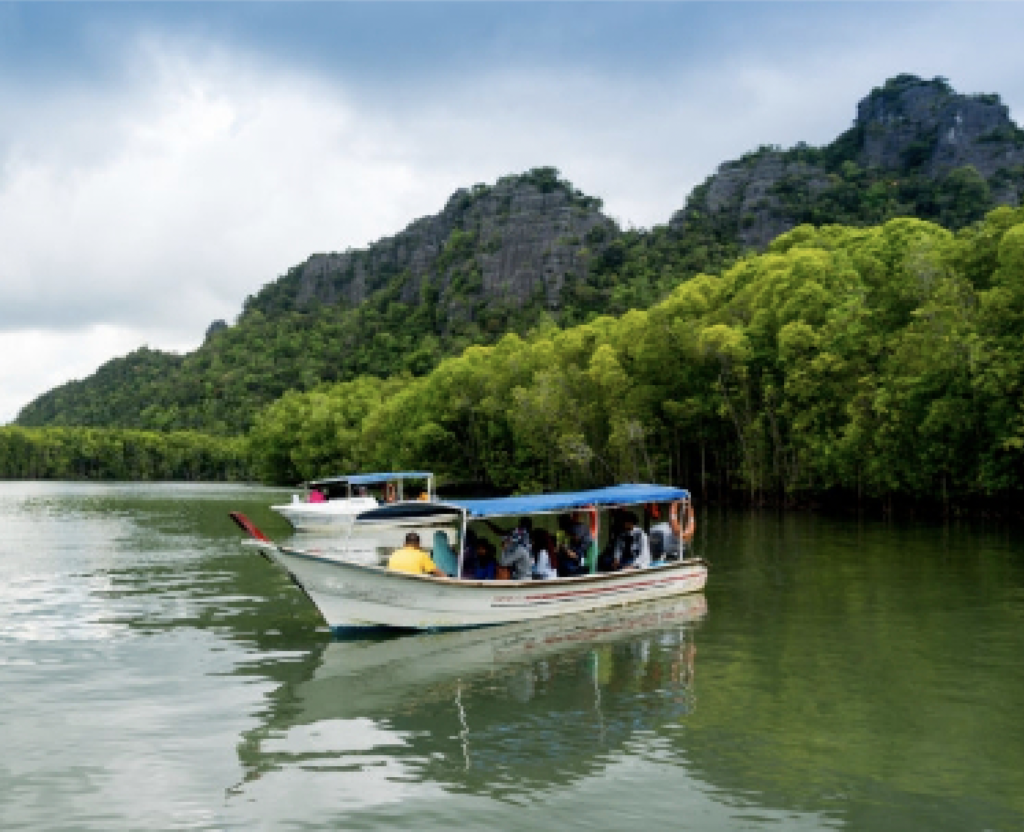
<point>411,558</point>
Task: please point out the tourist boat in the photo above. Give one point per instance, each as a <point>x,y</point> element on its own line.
<point>353,595</point>
<point>334,502</point>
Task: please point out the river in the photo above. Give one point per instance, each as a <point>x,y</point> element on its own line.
<point>836,674</point>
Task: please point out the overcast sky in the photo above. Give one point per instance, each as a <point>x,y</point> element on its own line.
<point>160,162</point>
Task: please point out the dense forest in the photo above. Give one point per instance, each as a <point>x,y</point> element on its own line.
<point>796,332</point>
<point>870,364</point>
<point>873,364</point>
<point>116,454</point>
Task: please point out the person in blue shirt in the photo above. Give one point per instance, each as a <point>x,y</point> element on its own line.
<point>478,559</point>
<point>483,566</point>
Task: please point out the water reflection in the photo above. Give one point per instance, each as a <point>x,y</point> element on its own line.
<point>490,711</point>
<point>853,675</point>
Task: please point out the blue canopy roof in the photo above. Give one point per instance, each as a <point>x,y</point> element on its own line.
<point>616,495</point>
<point>367,479</point>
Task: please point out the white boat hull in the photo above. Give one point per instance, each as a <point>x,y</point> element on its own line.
<point>332,514</point>
<point>358,596</point>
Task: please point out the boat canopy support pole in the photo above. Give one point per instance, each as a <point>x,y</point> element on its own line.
<point>462,541</point>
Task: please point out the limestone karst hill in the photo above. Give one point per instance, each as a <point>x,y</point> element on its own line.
<point>531,248</point>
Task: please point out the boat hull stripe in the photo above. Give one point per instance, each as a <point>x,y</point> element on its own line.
<point>561,597</point>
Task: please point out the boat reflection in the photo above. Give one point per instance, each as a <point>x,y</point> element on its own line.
<point>489,710</point>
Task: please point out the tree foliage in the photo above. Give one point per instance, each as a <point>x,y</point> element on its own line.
<point>105,454</point>
<point>284,341</point>
<point>874,363</point>
<point>885,362</point>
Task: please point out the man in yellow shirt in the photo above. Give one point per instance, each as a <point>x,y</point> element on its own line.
<point>411,558</point>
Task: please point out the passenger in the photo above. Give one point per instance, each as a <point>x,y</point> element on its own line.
<point>543,553</point>
<point>469,553</point>
<point>516,555</point>
<point>317,496</point>
<point>444,555</point>
<point>606,560</point>
<point>515,548</point>
<point>411,558</point>
<point>676,534</point>
<point>632,550</point>
<point>572,555</point>
<point>524,524</point>
<point>482,566</point>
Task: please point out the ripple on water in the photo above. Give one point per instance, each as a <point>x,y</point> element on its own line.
<point>54,607</point>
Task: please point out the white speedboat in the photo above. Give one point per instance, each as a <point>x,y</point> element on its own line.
<point>333,503</point>
<point>360,595</point>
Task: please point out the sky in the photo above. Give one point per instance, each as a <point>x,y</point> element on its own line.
<point>160,162</point>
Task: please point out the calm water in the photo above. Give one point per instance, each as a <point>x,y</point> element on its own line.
<point>835,675</point>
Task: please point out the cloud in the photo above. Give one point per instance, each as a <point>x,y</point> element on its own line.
<point>138,215</point>
<point>165,202</point>
<point>37,360</point>
<point>212,179</point>
<point>183,171</point>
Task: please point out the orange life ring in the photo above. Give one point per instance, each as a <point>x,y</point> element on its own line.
<point>687,530</point>
<point>691,523</point>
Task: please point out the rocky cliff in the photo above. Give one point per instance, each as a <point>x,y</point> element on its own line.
<point>916,148</point>
<point>910,123</point>
<point>521,239</point>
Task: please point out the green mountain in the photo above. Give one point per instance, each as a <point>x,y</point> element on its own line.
<point>880,365</point>
<point>531,250</point>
